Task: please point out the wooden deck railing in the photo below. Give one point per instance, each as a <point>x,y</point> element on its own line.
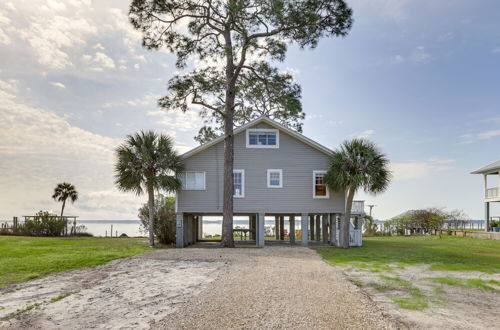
<point>491,193</point>
<point>358,207</point>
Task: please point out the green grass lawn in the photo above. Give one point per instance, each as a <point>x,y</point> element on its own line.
<point>24,258</point>
<point>445,253</point>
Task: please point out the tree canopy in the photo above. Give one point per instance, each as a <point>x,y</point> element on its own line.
<point>147,162</point>
<point>231,43</point>
<point>358,164</point>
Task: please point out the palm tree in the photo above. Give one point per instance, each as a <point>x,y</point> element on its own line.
<point>148,161</point>
<point>357,164</point>
<point>62,192</point>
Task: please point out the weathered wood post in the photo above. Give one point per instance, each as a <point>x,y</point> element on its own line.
<point>277,227</point>
<point>311,227</point>
<point>282,228</point>
<point>324,228</point>
<point>333,229</point>
<point>292,229</point>
<point>318,228</point>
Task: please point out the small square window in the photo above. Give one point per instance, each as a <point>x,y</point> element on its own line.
<point>262,138</point>
<point>275,178</point>
<point>193,180</point>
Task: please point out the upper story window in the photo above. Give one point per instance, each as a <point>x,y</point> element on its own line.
<point>263,138</point>
<point>193,180</point>
<point>239,183</point>
<point>275,178</point>
<point>320,190</point>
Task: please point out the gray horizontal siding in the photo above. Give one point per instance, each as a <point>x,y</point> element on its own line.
<point>297,160</point>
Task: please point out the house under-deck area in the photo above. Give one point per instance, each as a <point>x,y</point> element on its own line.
<point>262,228</point>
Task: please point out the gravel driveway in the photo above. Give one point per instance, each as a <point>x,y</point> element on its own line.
<point>195,288</point>
<point>274,288</point>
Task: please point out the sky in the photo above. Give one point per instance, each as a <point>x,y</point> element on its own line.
<point>421,78</point>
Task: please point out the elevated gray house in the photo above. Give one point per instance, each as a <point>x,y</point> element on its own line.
<point>491,174</point>
<point>277,172</point>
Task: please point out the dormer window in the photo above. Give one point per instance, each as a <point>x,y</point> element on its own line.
<point>263,138</point>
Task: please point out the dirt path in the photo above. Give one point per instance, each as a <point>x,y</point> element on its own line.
<point>274,287</point>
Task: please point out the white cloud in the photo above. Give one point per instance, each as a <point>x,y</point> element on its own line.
<point>57,84</point>
<point>104,60</point>
<point>416,170</point>
<point>39,149</point>
<point>149,99</point>
<point>397,59</point>
<point>475,137</point>
<point>98,46</point>
<point>10,86</point>
<point>364,134</point>
<point>420,55</point>
<point>4,25</point>
<point>496,50</point>
<point>50,37</point>
<point>99,61</point>
<point>176,121</point>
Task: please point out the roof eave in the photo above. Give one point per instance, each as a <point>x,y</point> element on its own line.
<point>297,135</point>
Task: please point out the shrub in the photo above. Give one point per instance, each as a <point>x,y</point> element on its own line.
<point>44,224</point>
<point>164,219</point>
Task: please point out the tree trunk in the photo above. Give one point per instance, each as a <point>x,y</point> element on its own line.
<point>347,220</point>
<point>227,208</point>
<point>62,212</point>
<point>151,207</point>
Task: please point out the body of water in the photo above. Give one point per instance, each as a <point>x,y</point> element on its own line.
<point>211,226</point>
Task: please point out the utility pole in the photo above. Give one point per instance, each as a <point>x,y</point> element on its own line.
<point>371,207</point>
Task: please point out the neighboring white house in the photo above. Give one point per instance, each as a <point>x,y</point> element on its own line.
<point>277,172</point>
<point>491,174</point>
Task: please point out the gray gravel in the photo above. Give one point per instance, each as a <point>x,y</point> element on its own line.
<point>272,288</point>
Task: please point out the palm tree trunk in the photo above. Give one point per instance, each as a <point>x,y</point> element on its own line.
<point>151,206</point>
<point>62,212</point>
<point>346,221</point>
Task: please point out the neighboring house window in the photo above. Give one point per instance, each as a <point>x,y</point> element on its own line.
<point>319,186</point>
<point>274,178</point>
<point>239,183</point>
<point>263,138</point>
<point>193,181</point>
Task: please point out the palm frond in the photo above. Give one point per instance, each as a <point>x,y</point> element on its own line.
<point>358,163</point>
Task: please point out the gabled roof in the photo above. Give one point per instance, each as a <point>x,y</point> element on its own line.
<point>266,120</point>
<point>490,168</point>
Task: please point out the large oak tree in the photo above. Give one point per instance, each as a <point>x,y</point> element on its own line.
<point>233,39</point>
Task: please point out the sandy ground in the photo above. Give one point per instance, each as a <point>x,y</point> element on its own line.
<point>246,288</point>
<point>449,307</point>
<point>124,294</point>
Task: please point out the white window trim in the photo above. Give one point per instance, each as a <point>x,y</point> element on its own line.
<point>314,185</point>
<point>204,180</point>
<point>249,130</point>
<point>269,171</point>
<point>242,183</point>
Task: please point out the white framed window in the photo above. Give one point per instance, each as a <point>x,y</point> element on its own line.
<point>263,138</point>
<point>320,190</point>
<point>275,178</point>
<point>239,183</point>
<point>193,180</point>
